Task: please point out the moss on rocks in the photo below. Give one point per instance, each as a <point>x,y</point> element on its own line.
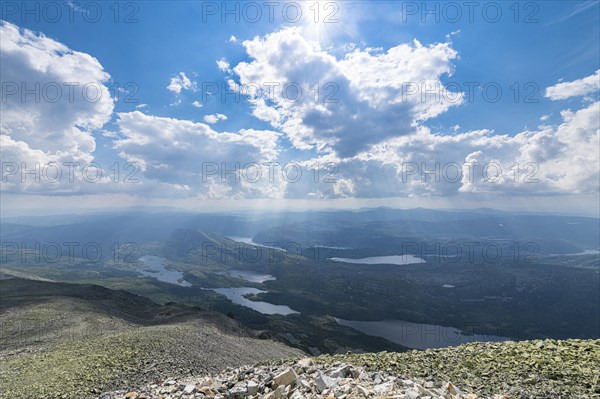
<point>525,369</point>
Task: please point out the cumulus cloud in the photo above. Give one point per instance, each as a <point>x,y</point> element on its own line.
<point>214,118</point>
<point>358,123</point>
<point>576,88</point>
<point>343,105</point>
<point>54,98</point>
<point>483,164</point>
<point>224,65</point>
<point>372,140</point>
<point>181,82</point>
<point>182,153</point>
<point>552,161</point>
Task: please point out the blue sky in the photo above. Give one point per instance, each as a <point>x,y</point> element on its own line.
<point>369,133</point>
<point>505,52</point>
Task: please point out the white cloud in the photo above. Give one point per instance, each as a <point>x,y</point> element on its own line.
<point>224,65</point>
<point>181,82</point>
<point>555,160</point>
<point>576,88</point>
<point>212,119</point>
<point>345,105</point>
<point>173,152</point>
<point>53,135</point>
<point>233,39</point>
<point>372,133</point>
<point>70,102</point>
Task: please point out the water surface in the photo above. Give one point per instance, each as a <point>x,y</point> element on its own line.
<point>416,335</point>
<point>155,266</point>
<point>250,241</point>
<point>236,295</point>
<point>380,260</point>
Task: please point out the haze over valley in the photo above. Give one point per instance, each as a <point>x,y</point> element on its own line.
<point>299,199</point>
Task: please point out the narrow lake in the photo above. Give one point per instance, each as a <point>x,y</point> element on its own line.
<point>415,335</point>
<point>237,296</point>
<point>155,266</point>
<point>380,260</point>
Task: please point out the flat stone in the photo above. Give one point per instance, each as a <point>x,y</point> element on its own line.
<point>363,391</point>
<point>381,389</point>
<point>323,382</point>
<point>288,377</point>
<point>305,362</point>
<point>189,389</point>
<point>252,387</point>
<point>340,372</point>
<point>305,384</point>
<point>237,391</point>
<point>412,394</point>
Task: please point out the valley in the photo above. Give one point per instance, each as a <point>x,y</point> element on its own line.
<point>299,290</point>
<point>299,200</point>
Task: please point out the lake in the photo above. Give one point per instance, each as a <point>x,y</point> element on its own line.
<point>237,296</point>
<point>253,277</point>
<point>416,335</point>
<point>250,241</point>
<point>379,260</point>
<point>155,266</point>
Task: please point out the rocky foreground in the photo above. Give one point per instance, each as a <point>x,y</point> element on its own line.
<point>548,369</point>
<point>540,369</point>
<point>302,379</point>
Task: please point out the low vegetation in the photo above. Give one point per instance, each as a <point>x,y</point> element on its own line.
<point>527,369</point>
